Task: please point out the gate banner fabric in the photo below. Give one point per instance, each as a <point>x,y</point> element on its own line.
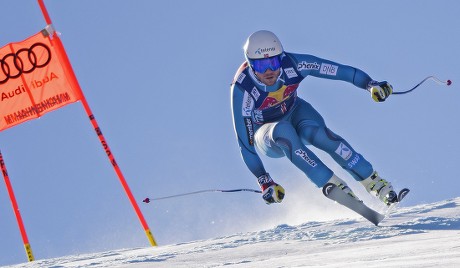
<point>34,80</point>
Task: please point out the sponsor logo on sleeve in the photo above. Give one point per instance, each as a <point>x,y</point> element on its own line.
<point>307,66</point>
<point>328,69</point>
<point>249,130</point>
<point>290,72</point>
<point>248,105</point>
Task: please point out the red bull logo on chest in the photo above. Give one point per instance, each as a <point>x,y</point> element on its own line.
<point>276,97</point>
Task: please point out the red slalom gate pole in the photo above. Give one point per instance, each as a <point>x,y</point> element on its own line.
<point>22,229</point>
<point>56,40</point>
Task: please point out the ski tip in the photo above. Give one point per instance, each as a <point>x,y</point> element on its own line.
<point>328,188</point>
<point>403,194</point>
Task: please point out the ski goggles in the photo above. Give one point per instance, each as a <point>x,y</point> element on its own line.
<point>261,65</point>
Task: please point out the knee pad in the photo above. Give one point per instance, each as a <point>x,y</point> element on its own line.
<point>264,142</point>
<point>274,139</point>
<point>284,134</point>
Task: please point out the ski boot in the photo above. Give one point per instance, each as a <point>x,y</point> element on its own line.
<point>380,188</point>
<point>343,186</point>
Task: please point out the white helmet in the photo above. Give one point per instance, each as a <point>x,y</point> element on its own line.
<point>262,44</point>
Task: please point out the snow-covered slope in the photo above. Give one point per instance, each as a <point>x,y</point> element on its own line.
<point>421,236</point>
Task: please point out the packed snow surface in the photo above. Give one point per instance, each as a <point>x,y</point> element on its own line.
<point>421,236</point>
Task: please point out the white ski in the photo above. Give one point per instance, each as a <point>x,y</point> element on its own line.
<point>395,205</point>
<point>333,192</point>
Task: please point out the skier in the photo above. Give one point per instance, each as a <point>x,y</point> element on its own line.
<point>268,115</point>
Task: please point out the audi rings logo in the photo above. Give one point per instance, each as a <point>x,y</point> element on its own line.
<point>24,61</point>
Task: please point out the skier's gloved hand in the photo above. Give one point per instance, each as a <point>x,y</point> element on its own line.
<point>380,91</point>
<point>272,192</point>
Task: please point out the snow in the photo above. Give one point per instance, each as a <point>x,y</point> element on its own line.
<point>421,236</point>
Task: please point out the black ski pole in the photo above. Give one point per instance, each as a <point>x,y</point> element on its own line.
<point>447,83</point>
<point>148,200</point>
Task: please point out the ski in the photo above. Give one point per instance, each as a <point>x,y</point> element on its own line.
<point>333,192</point>
<point>395,205</point>
<point>402,194</point>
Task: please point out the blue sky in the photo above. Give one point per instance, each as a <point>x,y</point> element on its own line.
<point>156,75</point>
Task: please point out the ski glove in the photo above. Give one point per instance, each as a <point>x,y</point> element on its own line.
<point>272,192</point>
<point>380,91</point>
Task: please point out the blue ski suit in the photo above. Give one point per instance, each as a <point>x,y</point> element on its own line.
<point>274,121</point>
